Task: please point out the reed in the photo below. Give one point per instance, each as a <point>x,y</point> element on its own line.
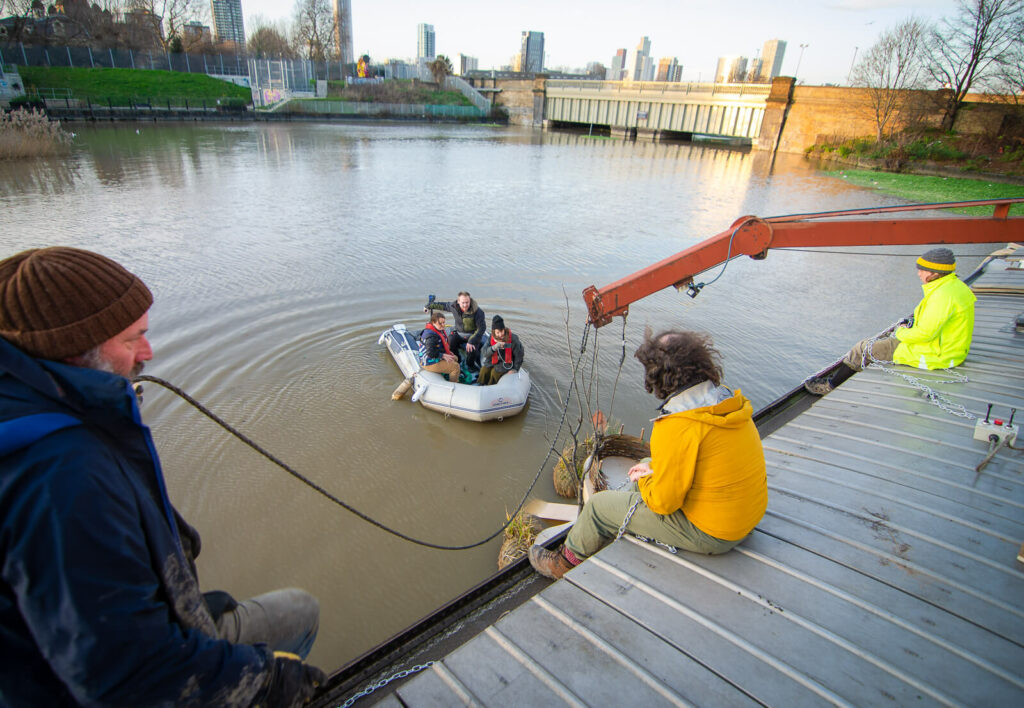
<point>519,536</point>
<point>29,133</point>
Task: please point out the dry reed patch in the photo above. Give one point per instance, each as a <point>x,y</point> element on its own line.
<point>519,536</point>
<point>29,133</point>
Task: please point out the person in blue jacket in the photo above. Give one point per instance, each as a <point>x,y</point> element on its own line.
<point>99,598</point>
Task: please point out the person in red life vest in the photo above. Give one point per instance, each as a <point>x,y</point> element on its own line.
<point>502,353</point>
<point>437,352</point>
<point>469,326</point>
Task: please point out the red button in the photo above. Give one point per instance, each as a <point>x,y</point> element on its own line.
<point>997,421</point>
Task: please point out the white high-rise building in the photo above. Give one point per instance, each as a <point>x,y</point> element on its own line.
<point>343,31</point>
<point>425,42</point>
<point>771,59</point>
<point>642,64</point>
<point>228,25</point>
<point>731,70</point>
<point>618,68</point>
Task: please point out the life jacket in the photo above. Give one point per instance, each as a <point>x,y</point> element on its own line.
<point>444,342</point>
<point>508,350</point>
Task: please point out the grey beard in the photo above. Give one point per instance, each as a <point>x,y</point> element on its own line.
<point>93,359</point>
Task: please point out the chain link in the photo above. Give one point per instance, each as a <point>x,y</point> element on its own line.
<point>384,682</point>
<point>942,402</point>
<point>629,515</point>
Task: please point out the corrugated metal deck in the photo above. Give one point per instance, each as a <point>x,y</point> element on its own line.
<point>884,573</point>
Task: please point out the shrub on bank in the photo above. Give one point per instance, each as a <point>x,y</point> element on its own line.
<point>29,133</point>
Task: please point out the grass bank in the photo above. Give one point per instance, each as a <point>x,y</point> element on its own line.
<point>930,189</point>
<point>396,91</point>
<point>931,151</point>
<point>122,86</point>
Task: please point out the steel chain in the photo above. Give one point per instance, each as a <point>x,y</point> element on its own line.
<point>942,402</point>
<point>629,515</point>
<point>384,682</point>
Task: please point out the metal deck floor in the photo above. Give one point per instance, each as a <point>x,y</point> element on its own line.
<point>885,571</point>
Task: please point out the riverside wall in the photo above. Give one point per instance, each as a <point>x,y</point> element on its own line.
<point>816,115</point>
<point>796,117</point>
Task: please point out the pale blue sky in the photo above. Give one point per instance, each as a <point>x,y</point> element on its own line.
<point>576,32</point>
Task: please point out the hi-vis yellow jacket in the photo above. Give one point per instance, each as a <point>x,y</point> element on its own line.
<point>943,325</point>
<point>709,463</point>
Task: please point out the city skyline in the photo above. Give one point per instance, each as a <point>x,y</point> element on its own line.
<point>577,33</point>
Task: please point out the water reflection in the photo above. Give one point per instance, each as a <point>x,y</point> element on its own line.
<point>278,253</point>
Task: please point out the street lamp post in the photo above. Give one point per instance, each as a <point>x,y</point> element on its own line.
<point>797,72</point>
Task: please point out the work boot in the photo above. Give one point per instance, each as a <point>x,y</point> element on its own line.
<point>819,387</point>
<point>401,390</point>
<point>551,564</point>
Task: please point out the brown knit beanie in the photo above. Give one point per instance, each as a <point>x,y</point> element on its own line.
<point>60,302</point>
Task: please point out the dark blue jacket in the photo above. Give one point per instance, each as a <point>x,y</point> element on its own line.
<point>99,601</point>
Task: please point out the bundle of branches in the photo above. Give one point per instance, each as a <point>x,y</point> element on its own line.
<point>619,445</point>
<point>519,536</point>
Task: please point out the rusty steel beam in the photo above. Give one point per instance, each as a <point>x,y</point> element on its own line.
<point>753,236</point>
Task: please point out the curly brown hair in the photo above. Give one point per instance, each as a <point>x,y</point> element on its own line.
<point>677,359</point>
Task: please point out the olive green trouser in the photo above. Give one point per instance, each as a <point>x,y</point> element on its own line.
<point>599,522</point>
<point>490,375</point>
<point>882,349</point>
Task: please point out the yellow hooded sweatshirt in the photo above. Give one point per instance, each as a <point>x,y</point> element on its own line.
<point>709,462</point>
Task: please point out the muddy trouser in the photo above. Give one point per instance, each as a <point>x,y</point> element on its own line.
<point>882,349</point>
<point>448,368</point>
<point>457,340</point>
<point>599,522</point>
<point>285,620</point>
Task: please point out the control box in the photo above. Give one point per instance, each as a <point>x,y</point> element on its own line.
<point>983,429</point>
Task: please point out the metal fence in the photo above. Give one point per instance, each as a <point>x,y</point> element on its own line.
<point>86,57</point>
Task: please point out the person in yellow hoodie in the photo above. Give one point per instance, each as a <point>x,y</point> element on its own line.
<point>704,487</point>
<point>938,338</point>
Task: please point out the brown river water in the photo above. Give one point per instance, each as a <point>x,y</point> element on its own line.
<point>279,253</point>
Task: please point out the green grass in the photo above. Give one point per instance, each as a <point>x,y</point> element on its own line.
<point>122,85</point>
<point>929,190</point>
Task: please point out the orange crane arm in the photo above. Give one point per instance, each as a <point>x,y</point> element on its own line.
<point>753,236</point>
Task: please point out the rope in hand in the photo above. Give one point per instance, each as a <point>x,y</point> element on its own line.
<point>365,517</point>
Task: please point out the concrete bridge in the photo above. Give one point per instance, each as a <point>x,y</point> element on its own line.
<point>658,110</point>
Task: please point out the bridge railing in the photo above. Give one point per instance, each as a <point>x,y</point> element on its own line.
<point>662,87</point>
<point>455,83</point>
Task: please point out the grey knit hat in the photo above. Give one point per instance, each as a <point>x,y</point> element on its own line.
<point>937,260</point>
<point>60,302</point>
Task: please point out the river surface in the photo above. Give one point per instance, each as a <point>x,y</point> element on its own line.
<point>279,253</point>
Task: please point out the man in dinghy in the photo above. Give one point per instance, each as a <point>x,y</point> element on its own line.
<point>438,355</point>
<point>99,596</point>
<point>938,337</point>
<point>501,354</point>
<point>468,326</point>
<point>704,488</point>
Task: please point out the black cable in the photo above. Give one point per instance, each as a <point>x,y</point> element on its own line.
<point>863,253</point>
<point>313,485</point>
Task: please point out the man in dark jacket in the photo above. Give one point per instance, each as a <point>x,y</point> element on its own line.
<point>502,353</point>
<point>468,325</point>
<point>99,598</point>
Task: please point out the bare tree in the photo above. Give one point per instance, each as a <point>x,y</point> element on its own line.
<point>1009,74</point>
<point>965,49</point>
<point>267,39</point>
<point>889,71</point>
<point>314,28</point>
<point>166,18</point>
